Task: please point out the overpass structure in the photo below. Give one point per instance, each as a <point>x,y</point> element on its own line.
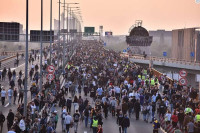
<point>166,62</point>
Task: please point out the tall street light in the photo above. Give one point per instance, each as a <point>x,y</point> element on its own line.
<point>64,47</point>
<point>50,30</point>
<point>70,13</point>
<point>41,43</point>
<point>26,63</point>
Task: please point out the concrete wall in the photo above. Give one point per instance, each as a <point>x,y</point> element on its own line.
<point>184,41</point>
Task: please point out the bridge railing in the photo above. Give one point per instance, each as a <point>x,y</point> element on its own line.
<point>162,59</point>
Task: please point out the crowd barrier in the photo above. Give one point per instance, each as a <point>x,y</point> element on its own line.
<point>165,128</point>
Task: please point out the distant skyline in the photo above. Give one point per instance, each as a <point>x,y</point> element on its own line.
<point>115,15</point>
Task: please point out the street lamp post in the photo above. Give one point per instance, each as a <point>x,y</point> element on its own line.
<point>59,29</point>
<point>26,63</point>
<point>50,30</point>
<point>41,43</point>
<point>64,39</point>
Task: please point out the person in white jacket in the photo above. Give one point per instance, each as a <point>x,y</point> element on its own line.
<point>22,124</point>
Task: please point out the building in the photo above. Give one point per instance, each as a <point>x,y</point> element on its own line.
<point>186,44</point>
<point>161,37</point>
<point>72,24</point>
<point>10,31</point>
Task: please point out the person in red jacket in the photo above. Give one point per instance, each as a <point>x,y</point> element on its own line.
<point>174,119</point>
<point>100,129</point>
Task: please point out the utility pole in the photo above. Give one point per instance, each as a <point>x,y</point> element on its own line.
<point>64,38</point>
<point>26,63</point>
<point>67,26</point>
<point>41,35</point>
<point>59,30</point>
<point>50,31</point>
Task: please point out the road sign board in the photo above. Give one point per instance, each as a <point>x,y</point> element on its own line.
<point>164,54</point>
<point>128,48</point>
<point>183,81</point>
<point>51,69</point>
<point>104,44</point>
<point>183,73</point>
<point>50,77</point>
<point>89,29</point>
<point>192,54</point>
<point>124,50</point>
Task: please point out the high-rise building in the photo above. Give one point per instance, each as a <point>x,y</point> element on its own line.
<point>186,44</point>
<point>10,31</point>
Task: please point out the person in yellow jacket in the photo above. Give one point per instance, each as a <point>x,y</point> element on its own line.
<point>197,118</point>
<point>188,110</point>
<point>152,82</point>
<point>94,124</point>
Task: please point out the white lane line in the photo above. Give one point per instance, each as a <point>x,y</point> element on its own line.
<point>18,66</point>
<point>85,131</point>
<point>6,105</point>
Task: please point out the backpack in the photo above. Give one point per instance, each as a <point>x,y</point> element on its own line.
<point>76,117</point>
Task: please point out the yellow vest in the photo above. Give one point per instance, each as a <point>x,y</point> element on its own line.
<point>198,118</point>
<point>95,123</point>
<point>68,66</point>
<point>188,110</point>
<point>139,76</point>
<point>152,82</point>
<point>143,77</point>
<point>145,72</point>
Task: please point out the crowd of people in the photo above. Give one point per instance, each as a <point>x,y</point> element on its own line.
<point>101,83</point>
<point>40,100</point>
<point>123,88</point>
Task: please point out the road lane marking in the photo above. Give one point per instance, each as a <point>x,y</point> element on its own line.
<point>6,105</point>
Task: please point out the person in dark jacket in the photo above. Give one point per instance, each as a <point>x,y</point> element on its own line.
<point>2,119</point>
<point>10,119</point>
<point>119,121</point>
<point>125,123</point>
<point>156,126</point>
<point>137,109</point>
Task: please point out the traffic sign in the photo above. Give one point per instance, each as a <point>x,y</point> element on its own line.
<point>183,73</point>
<point>51,69</point>
<point>183,81</point>
<point>164,54</point>
<point>192,54</point>
<point>50,77</point>
<point>128,48</point>
<point>104,44</point>
<point>124,50</point>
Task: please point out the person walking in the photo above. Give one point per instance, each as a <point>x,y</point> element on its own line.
<point>2,120</point>
<point>22,125</point>
<point>119,121</point>
<point>21,96</point>
<point>10,94</point>
<point>137,109</point>
<point>3,96</point>
<point>94,124</point>
<point>10,119</point>
<point>76,117</point>
<point>125,123</point>
<point>156,126</point>
<point>68,121</point>
<point>15,95</point>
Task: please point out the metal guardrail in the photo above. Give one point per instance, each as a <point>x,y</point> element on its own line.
<point>15,52</point>
<point>12,54</point>
<point>5,59</point>
<point>161,59</point>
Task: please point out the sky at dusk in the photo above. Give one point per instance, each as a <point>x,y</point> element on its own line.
<point>115,15</point>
